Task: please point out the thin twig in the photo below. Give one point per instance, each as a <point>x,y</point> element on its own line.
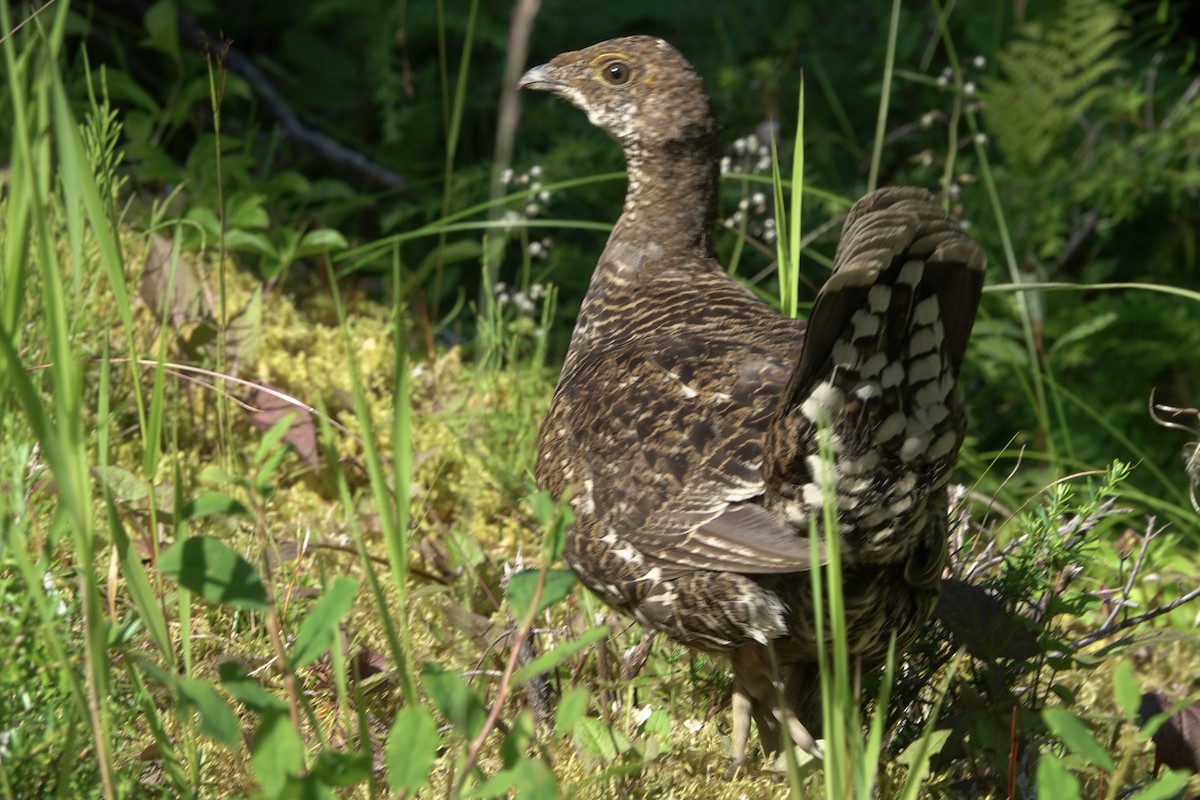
<point>1138,620</point>
<point>1134,571</point>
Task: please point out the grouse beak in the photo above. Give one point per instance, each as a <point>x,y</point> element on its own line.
<point>539,79</point>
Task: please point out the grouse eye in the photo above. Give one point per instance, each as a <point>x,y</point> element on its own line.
<point>616,73</point>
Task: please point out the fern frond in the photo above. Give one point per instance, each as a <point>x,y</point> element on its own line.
<point>1050,76</point>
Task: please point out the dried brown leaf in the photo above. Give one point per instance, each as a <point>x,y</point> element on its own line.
<point>1177,741</point>
<point>267,409</point>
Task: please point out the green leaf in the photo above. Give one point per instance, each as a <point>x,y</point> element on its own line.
<point>515,746</point>
<point>411,749</point>
<point>210,503</point>
<point>342,767</point>
<point>598,742</point>
<point>215,572</point>
<point>249,691</point>
<point>276,753</point>
<point>554,518</point>
<point>1126,689</point>
<point>456,701</point>
<point>162,29</point>
<point>1168,785</point>
<point>1054,782</point>
<point>239,241</point>
<point>320,626</point>
<point>245,210</point>
<point>529,779</point>
<point>523,586</point>
<point>1075,735</point>
<point>552,658</point>
<point>217,721</point>
<point>322,240</point>
<point>571,708</point>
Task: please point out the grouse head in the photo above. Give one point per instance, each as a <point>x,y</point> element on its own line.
<point>638,89</point>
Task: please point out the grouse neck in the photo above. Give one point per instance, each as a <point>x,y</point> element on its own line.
<point>671,203</point>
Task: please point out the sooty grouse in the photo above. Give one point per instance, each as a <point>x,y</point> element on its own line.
<point>685,422</point>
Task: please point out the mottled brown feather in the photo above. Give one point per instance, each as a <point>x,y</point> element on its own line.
<point>688,416</point>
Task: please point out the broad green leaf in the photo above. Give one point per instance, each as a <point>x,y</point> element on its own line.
<point>554,517</point>
<point>1054,782</point>
<point>319,628</point>
<point>240,241</point>
<point>210,503</point>
<point>456,701</point>
<point>411,749</point>
<point>276,754</point>
<point>248,691</point>
<point>529,779</point>
<point>1077,738</point>
<point>215,572</point>
<point>245,210</point>
<point>571,708</point>
<point>1168,785</point>
<point>598,742</point>
<point>161,23</point>
<point>321,240</point>
<point>217,721</point>
<point>523,586</point>
<point>521,731</point>
<point>552,658</point>
<point>1126,689</point>
<point>342,767</point>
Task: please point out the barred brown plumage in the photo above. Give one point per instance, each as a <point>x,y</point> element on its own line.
<point>688,416</point>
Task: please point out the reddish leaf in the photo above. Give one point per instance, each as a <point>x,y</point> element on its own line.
<point>181,296</point>
<point>302,433</point>
<point>1177,741</point>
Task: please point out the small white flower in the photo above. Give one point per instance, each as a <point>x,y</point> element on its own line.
<point>942,80</point>
<point>523,303</point>
<point>544,196</point>
<point>532,210</point>
<point>969,88</point>
<point>743,204</point>
<point>927,119</point>
<point>954,189</point>
<point>726,164</point>
<point>537,291</point>
<point>758,198</point>
<point>979,62</point>
<point>981,138</point>
<point>535,171</point>
<point>536,250</point>
<point>506,177</point>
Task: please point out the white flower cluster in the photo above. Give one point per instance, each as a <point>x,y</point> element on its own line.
<point>536,195</point>
<point>755,211</point>
<point>750,154</point>
<point>525,302</point>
